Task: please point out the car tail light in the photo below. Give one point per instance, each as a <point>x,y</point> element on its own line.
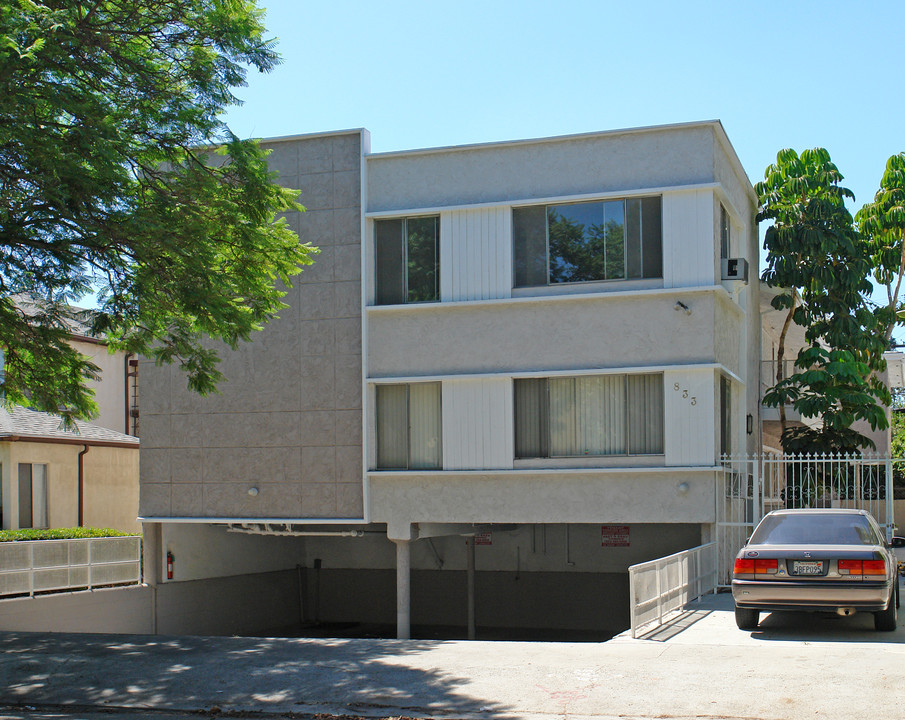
<point>743,566</point>
<point>767,565</point>
<point>862,567</point>
<point>851,567</point>
<point>874,567</point>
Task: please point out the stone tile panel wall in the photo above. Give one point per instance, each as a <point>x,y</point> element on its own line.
<point>288,421</point>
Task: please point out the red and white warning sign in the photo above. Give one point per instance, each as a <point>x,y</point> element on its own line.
<point>615,536</point>
<point>483,538</point>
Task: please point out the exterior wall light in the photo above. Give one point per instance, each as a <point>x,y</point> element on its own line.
<point>749,424</point>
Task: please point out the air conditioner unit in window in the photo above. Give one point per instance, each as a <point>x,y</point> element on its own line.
<point>735,269</point>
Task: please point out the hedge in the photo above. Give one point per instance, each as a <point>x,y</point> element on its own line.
<point>60,533</point>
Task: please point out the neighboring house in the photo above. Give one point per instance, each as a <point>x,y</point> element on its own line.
<point>116,392</point>
<point>547,342</point>
<point>50,477</point>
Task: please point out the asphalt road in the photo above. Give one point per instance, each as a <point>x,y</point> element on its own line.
<point>699,666</point>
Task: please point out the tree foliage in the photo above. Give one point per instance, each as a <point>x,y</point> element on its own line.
<point>816,256</point>
<point>104,105</point>
<point>882,224</point>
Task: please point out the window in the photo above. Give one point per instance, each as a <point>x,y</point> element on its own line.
<point>582,242</point>
<point>408,260</point>
<point>725,232</point>
<point>408,427</point>
<point>32,495</point>
<point>589,415</point>
<point>725,416</point>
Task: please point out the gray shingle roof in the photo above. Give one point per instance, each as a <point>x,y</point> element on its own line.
<point>24,423</point>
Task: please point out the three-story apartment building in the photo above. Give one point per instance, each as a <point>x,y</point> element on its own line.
<point>509,375</point>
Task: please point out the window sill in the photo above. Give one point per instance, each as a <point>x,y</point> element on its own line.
<point>590,461</point>
<point>590,286</point>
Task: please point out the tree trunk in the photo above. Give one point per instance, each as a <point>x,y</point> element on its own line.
<point>780,356</point>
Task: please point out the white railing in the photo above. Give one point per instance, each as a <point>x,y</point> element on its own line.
<point>661,586</point>
<point>37,566</point>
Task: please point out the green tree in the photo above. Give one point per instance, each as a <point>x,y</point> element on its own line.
<point>882,224</point>
<point>815,255</point>
<point>103,106</point>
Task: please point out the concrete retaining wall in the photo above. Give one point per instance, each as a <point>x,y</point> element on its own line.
<point>243,604</point>
<point>238,605</point>
<point>114,610</point>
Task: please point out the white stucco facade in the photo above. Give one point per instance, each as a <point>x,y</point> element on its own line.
<point>689,325</point>
<point>301,438</point>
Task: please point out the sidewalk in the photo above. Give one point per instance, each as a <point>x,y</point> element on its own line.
<point>700,666</point>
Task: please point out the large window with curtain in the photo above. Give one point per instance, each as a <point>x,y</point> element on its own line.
<point>619,239</point>
<point>408,427</point>
<point>589,415</point>
<point>407,260</point>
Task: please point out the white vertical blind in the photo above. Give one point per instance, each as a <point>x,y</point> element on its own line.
<point>408,426</point>
<point>424,425</point>
<point>392,426</point>
<point>600,407</point>
<point>563,433</point>
<point>589,415</point>
<point>645,414</point>
<point>531,418</point>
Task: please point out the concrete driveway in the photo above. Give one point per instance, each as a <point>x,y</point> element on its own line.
<point>699,666</point>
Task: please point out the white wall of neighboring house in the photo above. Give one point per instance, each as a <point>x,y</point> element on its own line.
<point>114,393</point>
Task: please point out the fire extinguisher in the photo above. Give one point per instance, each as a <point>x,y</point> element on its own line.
<point>169,565</point>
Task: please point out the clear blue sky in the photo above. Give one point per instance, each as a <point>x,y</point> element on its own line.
<point>423,74</point>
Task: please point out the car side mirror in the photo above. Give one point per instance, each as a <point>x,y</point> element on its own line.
<point>898,542</point>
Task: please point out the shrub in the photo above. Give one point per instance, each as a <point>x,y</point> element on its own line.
<point>60,533</point>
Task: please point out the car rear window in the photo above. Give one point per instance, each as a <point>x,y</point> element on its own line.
<point>816,529</point>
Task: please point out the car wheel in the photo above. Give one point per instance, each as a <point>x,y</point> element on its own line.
<point>887,620</point>
<point>746,619</point>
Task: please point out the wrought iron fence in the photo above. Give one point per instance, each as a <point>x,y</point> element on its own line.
<point>754,485</point>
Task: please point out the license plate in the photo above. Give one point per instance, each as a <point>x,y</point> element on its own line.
<point>807,567</point>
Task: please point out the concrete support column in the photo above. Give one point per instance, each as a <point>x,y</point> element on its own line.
<point>469,573</point>
<point>152,563</point>
<point>403,588</point>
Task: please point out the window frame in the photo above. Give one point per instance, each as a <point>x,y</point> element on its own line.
<point>404,242</point>
<point>546,422</point>
<point>725,233</point>
<point>726,424</point>
<point>408,428</point>
<point>601,201</point>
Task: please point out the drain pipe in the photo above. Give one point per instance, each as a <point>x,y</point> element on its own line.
<point>82,454</point>
<point>126,391</point>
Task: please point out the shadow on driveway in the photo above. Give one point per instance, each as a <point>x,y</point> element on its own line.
<point>233,674</point>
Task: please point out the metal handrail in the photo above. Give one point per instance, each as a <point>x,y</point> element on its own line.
<point>694,576</point>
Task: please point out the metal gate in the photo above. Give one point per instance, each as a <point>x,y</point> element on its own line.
<point>753,485</point>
